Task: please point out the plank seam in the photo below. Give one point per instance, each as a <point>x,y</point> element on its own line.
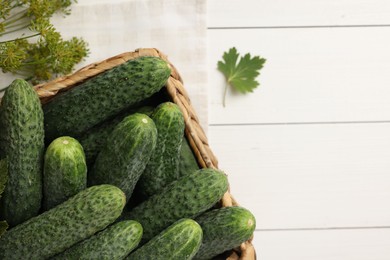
<point>298,27</point>
<point>303,123</point>
<point>316,229</point>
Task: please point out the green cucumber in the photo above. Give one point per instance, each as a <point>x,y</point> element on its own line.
<point>163,166</point>
<point>127,151</point>
<point>180,241</point>
<point>3,182</point>
<point>224,229</point>
<point>185,198</point>
<point>64,171</point>
<point>22,141</point>
<point>3,227</point>
<point>113,243</point>
<point>187,162</point>
<point>95,138</point>
<point>73,112</point>
<point>55,230</point>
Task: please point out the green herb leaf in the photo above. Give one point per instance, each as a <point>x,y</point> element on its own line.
<point>41,53</point>
<point>3,181</point>
<point>240,73</point>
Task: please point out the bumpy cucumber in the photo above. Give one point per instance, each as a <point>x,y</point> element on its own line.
<point>127,151</point>
<point>3,227</point>
<point>187,161</point>
<point>163,166</point>
<point>180,241</point>
<point>224,229</point>
<point>185,198</point>
<point>22,141</point>
<point>64,171</point>
<point>95,138</point>
<point>101,97</point>
<point>78,218</point>
<point>112,243</point>
<point>3,182</point>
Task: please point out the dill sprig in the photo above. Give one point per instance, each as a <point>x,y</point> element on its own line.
<point>38,52</point>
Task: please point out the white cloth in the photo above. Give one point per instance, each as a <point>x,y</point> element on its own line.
<point>178,28</point>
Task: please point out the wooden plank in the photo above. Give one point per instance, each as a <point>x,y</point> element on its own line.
<point>233,13</point>
<point>355,244</point>
<point>305,176</point>
<point>311,75</point>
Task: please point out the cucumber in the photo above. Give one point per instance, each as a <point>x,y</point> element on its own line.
<point>73,112</point>
<point>163,166</point>
<point>78,218</point>
<point>22,141</point>
<point>112,243</point>
<point>64,171</point>
<point>224,229</point>
<point>3,182</point>
<point>187,162</point>
<point>127,151</point>
<point>180,241</point>
<point>95,138</point>
<point>3,227</point>
<point>185,198</point>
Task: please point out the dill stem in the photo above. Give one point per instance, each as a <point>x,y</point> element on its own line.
<point>29,63</point>
<point>21,25</point>
<point>17,4</point>
<point>21,38</point>
<point>15,17</point>
<point>23,71</point>
<point>15,30</point>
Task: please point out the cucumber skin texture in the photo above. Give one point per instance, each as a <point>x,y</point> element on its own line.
<point>64,171</point>
<point>113,243</point>
<point>187,162</point>
<point>3,182</point>
<point>95,138</point>
<point>127,151</point>
<point>53,231</point>
<point>22,140</point>
<point>163,166</point>
<point>185,198</point>
<point>224,229</point>
<point>180,241</point>
<point>103,96</point>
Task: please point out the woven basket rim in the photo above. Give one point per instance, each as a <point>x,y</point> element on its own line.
<point>175,88</point>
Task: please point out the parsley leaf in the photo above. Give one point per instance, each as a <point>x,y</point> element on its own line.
<point>240,74</point>
<point>3,181</point>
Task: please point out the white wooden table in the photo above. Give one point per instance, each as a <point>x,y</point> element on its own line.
<point>309,151</point>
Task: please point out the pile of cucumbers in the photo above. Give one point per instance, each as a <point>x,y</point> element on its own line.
<point>104,171</point>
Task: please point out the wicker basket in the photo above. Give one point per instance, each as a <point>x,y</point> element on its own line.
<point>194,132</point>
